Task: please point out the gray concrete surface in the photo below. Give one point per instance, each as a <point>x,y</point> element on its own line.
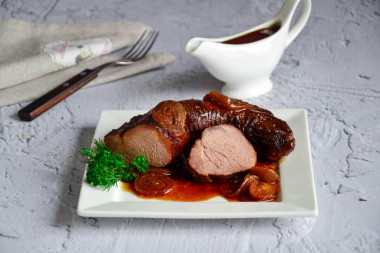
<point>332,70</point>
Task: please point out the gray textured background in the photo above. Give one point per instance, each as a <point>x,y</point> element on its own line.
<point>332,69</point>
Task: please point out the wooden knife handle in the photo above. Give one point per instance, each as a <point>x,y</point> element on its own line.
<point>53,97</point>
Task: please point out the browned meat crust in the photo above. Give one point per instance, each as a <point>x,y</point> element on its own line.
<point>180,122</point>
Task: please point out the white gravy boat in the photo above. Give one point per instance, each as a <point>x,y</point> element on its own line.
<point>246,68</point>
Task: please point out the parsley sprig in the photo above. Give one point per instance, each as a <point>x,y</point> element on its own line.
<point>105,168</point>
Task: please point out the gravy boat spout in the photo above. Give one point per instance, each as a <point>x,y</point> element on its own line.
<point>245,61</point>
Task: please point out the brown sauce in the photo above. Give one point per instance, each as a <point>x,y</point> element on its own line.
<point>255,35</point>
<point>185,189</point>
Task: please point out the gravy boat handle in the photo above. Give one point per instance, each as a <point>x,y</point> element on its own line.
<point>286,14</point>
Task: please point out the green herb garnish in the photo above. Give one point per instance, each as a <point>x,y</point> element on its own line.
<point>105,168</point>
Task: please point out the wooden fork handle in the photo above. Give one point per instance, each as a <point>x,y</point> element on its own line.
<point>56,95</point>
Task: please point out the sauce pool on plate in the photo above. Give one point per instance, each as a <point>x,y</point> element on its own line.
<point>185,189</point>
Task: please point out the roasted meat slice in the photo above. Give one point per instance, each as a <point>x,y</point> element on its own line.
<point>221,152</point>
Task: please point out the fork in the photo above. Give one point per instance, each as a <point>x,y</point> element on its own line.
<point>56,95</point>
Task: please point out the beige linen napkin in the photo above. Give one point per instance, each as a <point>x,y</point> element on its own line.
<point>34,58</point>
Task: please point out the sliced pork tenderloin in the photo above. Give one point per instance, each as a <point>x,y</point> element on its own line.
<point>221,152</point>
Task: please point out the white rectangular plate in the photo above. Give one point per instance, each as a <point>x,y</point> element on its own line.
<point>297,184</point>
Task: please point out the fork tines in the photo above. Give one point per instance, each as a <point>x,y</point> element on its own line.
<point>142,46</point>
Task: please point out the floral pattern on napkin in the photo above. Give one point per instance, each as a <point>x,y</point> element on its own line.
<point>69,53</point>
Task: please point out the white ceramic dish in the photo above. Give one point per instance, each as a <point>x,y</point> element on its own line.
<point>250,65</point>
<point>297,198</point>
